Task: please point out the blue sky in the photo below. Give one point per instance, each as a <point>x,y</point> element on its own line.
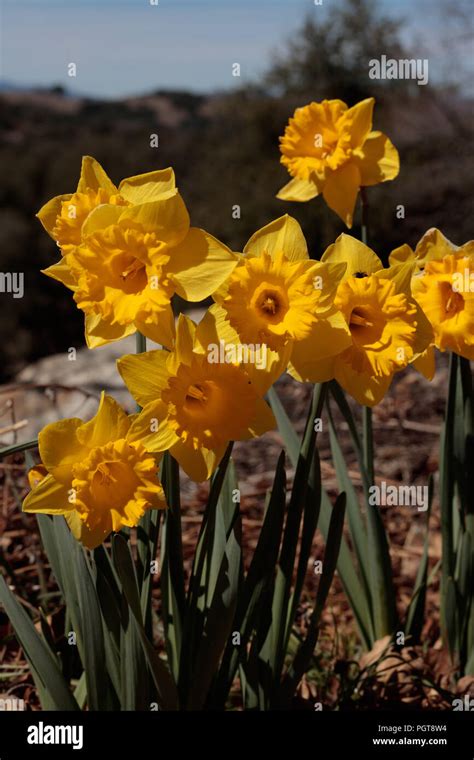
<point>123,47</point>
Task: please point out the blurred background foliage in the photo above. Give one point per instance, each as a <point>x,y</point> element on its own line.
<point>224,149</point>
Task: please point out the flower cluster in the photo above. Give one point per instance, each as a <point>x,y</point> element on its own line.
<point>127,250</point>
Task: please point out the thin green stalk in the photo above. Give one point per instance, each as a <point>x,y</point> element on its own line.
<point>141,343</point>
<point>18,447</point>
<point>379,564</point>
<point>368,442</point>
<point>365,215</point>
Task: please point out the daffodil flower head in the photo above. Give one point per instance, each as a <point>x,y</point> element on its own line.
<point>433,245</point>
<point>445,295</point>
<point>278,296</point>
<point>63,216</point>
<point>331,149</point>
<point>387,327</point>
<point>193,406</point>
<point>445,292</point>
<point>94,475</point>
<point>127,250</point>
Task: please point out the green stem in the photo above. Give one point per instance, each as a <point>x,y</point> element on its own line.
<point>368,439</point>
<point>365,215</point>
<point>368,442</point>
<point>140,349</point>
<point>141,343</point>
<point>18,447</point>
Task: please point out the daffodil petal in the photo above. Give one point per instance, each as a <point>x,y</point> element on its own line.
<point>91,539</point>
<point>61,271</point>
<point>145,375</point>
<point>432,246</point>
<point>199,265</point>
<point>316,371</point>
<point>152,429</point>
<point>298,190</point>
<point>49,496</point>
<point>150,186</point>
<point>358,256</point>
<point>166,216</point>
<point>93,177</point>
<point>424,335</point>
<point>98,332</point>
<point>36,475</point>
<point>367,389</point>
<point>101,217</point>
<point>401,255</point>
<point>359,120</point>
<point>50,212</point>
<point>159,327</point>
<point>400,274</point>
<point>109,423</point>
<point>341,189</point>
<point>379,160</point>
<point>263,420</point>
<point>214,327</point>
<point>198,464</point>
<point>282,235</point>
<point>426,364</point>
<point>185,334</point>
<point>328,338</point>
<point>60,448</point>
<point>268,365</point>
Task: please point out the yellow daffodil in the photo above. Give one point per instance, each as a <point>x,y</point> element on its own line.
<point>331,149</point>
<point>443,285</point>
<point>433,245</point>
<point>127,250</point>
<point>193,405</point>
<point>279,297</point>
<point>445,292</point>
<point>388,328</point>
<point>94,475</point>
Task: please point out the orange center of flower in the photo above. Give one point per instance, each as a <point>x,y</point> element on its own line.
<point>209,404</point>
<point>366,325</point>
<point>112,478</point>
<point>270,302</point>
<point>114,485</point>
<point>196,396</point>
<point>453,301</point>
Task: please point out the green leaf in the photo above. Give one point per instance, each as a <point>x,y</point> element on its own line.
<point>53,690</point>
<point>416,608</point>
<point>281,626</point>
<point>356,522</point>
<point>172,568</point>
<point>305,651</point>
<point>18,447</point>
<point>219,619</point>
<point>352,586</point>
<point>258,580</point>
<point>210,549</point>
<point>349,578</point>
<point>165,686</point>
<point>287,431</point>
